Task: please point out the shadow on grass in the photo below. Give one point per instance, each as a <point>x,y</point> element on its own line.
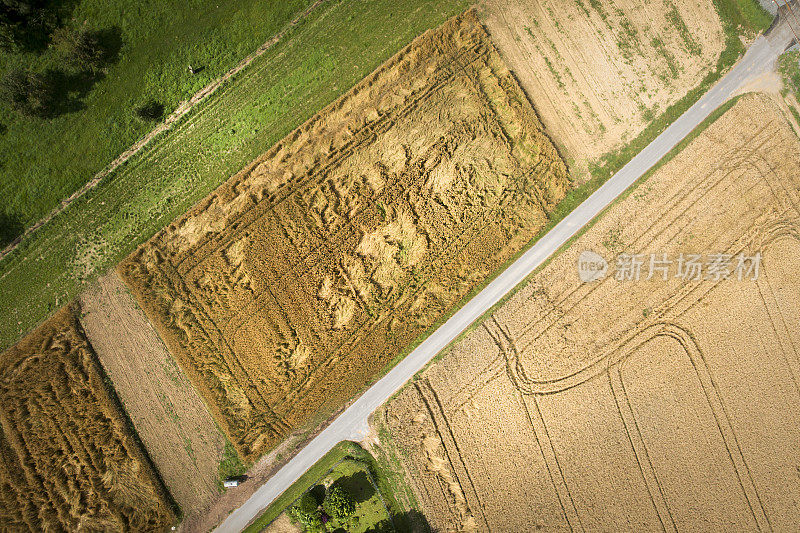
<point>10,227</point>
<point>409,522</point>
<point>357,485</point>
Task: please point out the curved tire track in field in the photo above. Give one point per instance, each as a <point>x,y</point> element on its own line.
<point>182,109</point>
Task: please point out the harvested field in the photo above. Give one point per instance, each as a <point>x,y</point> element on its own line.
<point>599,72</point>
<point>291,286</point>
<point>634,405</point>
<point>68,461</point>
<point>168,414</point>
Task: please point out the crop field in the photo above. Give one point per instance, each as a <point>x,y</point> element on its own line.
<point>169,416</point>
<point>315,62</point>
<point>68,461</point>
<point>664,403</point>
<point>600,72</point>
<point>292,285</point>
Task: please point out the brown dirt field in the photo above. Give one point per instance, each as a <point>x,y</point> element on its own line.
<point>68,461</point>
<point>169,416</point>
<point>595,70</point>
<point>293,285</point>
<point>624,405</point>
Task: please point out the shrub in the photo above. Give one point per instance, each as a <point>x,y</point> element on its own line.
<point>29,93</point>
<point>306,512</point>
<point>339,503</point>
<point>80,49</point>
<point>150,110</point>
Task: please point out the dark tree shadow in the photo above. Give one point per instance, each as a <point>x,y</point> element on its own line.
<point>358,485</point>
<point>27,24</point>
<point>67,91</point>
<point>410,522</point>
<point>110,40</point>
<point>10,228</point>
<point>150,110</point>
<point>318,493</point>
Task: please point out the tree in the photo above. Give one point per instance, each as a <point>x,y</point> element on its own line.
<point>339,503</point>
<point>81,48</point>
<point>25,23</point>
<point>306,512</point>
<point>30,93</point>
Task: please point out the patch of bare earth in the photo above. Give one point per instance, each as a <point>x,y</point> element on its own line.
<point>171,419</point>
<point>635,405</point>
<point>282,524</point>
<point>599,71</point>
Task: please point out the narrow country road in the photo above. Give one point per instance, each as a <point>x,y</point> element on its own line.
<point>352,423</point>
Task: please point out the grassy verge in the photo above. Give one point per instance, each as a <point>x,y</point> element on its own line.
<point>789,68</point>
<point>338,44</point>
<point>230,465</point>
<point>159,40</point>
<point>345,459</point>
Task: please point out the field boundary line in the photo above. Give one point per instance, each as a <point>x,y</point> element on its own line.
<point>182,110</point>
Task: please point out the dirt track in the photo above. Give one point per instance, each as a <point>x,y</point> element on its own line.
<point>686,392</point>
<point>169,416</point>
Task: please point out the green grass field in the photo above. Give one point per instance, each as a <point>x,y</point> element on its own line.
<point>333,48</point>
<point>52,158</point>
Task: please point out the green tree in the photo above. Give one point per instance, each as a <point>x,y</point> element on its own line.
<point>29,93</point>
<point>339,503</point>
<point>80,49</point>
<point>306,512</point>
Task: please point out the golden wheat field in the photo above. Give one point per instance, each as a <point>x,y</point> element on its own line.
<point>600,71</point>
<point>291,286</point>
<point>68,461</point>
<point>661,404</point>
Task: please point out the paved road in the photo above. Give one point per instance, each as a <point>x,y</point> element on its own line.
<point>352,423</point>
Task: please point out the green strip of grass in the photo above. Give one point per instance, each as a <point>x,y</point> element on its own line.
<point>789,67</point>
<point>338,44</point>
<point>320,468</point>
<point>230,465</point>
<point>53,158</point>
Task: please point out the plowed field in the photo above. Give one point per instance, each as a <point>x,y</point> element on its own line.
<point>67,459</point>
<point>291,286</point>
<point>661,404</point>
